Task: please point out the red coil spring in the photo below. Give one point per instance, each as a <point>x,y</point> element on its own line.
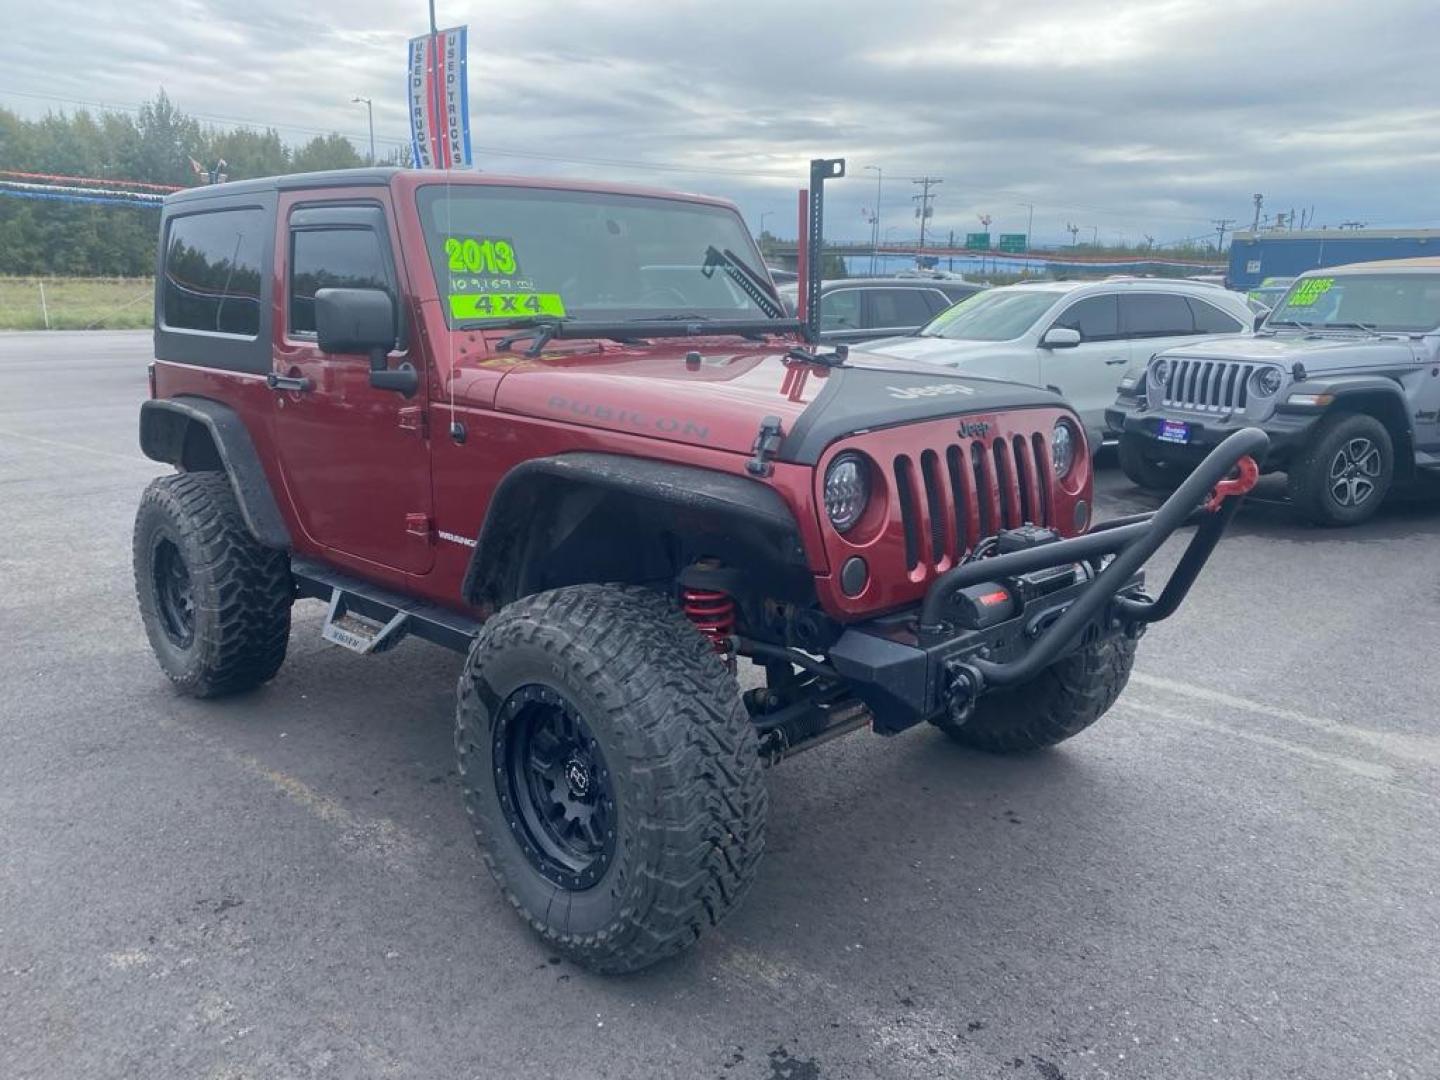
<point>713,614</point>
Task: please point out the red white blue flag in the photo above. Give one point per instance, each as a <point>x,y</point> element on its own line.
<point>439,100</point>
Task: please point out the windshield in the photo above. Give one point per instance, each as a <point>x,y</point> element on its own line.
<point>508,253</point>
<point>1397,302</point>
<point>998,315</point>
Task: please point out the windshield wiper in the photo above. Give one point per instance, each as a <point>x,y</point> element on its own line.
<point>1369,328</point>
<point>1290,322</point>
<point>749,280</point>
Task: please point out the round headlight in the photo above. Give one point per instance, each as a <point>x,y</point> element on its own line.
<point>1160,372</point>
<point>1064,446</point>
<point>847,490</point>
<point>1267,381</point>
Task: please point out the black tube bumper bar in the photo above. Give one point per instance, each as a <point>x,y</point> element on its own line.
<point>917,671</point>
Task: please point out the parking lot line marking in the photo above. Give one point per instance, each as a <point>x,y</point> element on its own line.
<point>1370,770</point>
<point>133,459</point>
<point>1420,749</point>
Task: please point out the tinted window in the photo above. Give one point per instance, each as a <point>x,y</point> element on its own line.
<point>840,310</point>
<point>1211,320</point>
<point>212,272</point>
<point>899,307</point>
<point>1155,315</point>
<point>1096,317</point>
<point>331,258</point>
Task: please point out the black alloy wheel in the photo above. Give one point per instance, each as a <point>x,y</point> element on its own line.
<point>174,592</point>
<point>554,786</point>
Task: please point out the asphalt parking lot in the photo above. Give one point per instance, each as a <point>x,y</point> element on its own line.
<point>1233,875</point>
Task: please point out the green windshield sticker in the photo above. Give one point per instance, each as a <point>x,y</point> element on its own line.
<point>1310,290</point>
<point>505,305</point>
<point>481,255</point>
<point>486,281</point>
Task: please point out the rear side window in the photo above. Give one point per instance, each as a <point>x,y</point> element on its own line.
<point>1155,315</point>
<point>212,272</point>
<point>1096,317</point>
<point>1211,320</point>
<point>899,308</point>
<point>332,258</point>
<point>840,310</point>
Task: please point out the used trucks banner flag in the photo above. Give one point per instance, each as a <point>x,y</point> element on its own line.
<point>439,100</point>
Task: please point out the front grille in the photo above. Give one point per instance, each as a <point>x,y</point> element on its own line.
<point>1219,386</point>
<point>951,498</point>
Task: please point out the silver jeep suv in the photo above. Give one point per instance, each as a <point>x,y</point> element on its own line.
<point>1344,376</point>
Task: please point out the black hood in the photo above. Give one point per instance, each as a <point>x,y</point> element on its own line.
<point>865,399</point>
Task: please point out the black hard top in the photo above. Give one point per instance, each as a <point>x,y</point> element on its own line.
<point>367,177</point>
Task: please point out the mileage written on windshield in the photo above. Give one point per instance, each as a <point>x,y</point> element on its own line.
<point>486,281</point>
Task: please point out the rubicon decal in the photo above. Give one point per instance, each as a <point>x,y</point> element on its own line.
<point>905,393</point>
<point>633,418</point>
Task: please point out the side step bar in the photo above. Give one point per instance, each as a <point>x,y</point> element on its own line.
<point>366,618</point>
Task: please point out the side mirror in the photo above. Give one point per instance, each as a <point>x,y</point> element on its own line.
<point>355,321</point>
<point>1259,319</point>
<point>363,321</point>
<point>1060,337</point>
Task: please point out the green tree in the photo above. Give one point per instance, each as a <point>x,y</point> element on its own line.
<point>332,151</point>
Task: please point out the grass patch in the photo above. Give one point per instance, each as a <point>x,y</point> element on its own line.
<point>76,303</point>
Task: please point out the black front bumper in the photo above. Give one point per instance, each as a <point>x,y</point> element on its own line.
<point>1286,431</point>
<point>914,665</point>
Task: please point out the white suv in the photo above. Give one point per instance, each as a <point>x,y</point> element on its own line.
<point>1080,337</point>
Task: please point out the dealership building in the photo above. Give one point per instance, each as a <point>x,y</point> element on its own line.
<point>1255,256</point>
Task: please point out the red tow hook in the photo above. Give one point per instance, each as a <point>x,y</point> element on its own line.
<point>1235,485</point>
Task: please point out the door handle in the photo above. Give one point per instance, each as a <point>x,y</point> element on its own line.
<point>1116,360</point>
<point>288,382</point>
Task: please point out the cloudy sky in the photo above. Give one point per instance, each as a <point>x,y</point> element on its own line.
<point>1131,118</point>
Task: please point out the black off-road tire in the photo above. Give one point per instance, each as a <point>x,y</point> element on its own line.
<point>1310,483</point>
<point>689,796</point>
<point>1062,701</point>
<point>239,592</point>
<point>1145,471</point>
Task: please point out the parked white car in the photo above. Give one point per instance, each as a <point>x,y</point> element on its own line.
<point>1081,337</point>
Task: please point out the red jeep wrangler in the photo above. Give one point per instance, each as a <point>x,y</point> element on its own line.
<point>567,430</point>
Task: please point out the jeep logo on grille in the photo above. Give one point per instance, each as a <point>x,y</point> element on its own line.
<point>906,393</point>
<point>974,429</point>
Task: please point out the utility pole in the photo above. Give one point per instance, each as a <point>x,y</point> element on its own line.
<point>1221,226</point>
<point>1259,202</point>
<point>1095,236</point>
<point>875,218</point>
<point>1073,230</point>
<point>370,112</point>
<point>924,210</point>
<point>1029,224</point>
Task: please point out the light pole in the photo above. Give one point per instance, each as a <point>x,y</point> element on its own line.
<point>875,219</point>
<point>763,215</point>
<point>1030,223</point>
<point>370,112</point>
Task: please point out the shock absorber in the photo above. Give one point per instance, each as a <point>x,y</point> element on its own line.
<point>713,614</point>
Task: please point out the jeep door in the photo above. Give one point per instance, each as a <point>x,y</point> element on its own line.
<point>1088,373</point>
<point>356,459</point>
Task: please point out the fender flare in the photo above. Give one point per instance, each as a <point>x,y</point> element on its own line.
<point>166,427</point>
<point>520,512</point>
